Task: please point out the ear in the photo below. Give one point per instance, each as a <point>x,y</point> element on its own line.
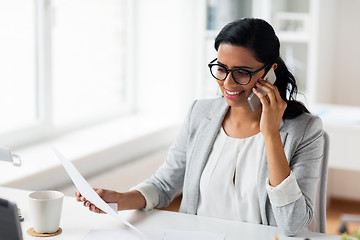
<point>274,66</point>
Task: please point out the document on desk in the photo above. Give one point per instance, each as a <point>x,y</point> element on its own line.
<point>88,192</point>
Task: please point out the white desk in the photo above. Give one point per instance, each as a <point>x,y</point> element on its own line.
<point>77,221</point>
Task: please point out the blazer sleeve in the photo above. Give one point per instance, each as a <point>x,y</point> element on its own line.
<point>168,180</point>
<point>305,165</point>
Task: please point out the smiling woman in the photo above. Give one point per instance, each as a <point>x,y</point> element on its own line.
<point>238,86</point>
<point>231,162</point>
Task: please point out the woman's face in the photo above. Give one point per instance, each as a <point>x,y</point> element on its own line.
<point>233,57</point>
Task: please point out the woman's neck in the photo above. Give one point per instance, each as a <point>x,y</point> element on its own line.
<point>241,123</point>
<point>242,115</point>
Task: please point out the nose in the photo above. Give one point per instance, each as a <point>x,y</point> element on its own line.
<point>229,80</point>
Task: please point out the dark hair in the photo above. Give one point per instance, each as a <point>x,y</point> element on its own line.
<point>258,36</point>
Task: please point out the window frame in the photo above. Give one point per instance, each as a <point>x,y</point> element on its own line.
<point>44,127</point>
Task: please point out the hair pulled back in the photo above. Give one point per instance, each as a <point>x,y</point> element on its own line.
<point>258,36</point>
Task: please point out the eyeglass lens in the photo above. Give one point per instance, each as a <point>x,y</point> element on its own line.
<point>240,75</point>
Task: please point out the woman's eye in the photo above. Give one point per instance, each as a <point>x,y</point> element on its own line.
<point>220,69</point>
<point>241,73</point>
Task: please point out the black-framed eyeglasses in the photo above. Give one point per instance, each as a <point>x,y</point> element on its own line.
<point>240,75</point>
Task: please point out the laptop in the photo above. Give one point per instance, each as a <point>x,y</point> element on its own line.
<point>10,228</point>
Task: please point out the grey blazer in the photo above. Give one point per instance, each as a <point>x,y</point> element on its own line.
<point>303,142</point>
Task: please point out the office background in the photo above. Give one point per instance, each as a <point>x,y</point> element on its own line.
<point>109,82</point>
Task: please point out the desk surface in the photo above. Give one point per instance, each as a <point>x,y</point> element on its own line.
<point>77,221</point>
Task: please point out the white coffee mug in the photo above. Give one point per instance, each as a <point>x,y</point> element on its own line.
<point>45,210</point>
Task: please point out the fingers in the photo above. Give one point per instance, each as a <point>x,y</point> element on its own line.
<point>79,197</point>
<point>269,89</point>
<point>262,97</point>
<point>274,89</point>
<point>91,207</point>
<point>86,203</point>
<point>272,97</point>
<point>77,194</point>
<point>95,209</point>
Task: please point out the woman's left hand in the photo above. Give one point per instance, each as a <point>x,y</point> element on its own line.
<point>273,107</point>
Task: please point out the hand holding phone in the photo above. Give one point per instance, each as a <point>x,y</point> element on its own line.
<point>253,99</point>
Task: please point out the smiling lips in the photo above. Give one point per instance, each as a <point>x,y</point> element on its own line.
<point>232,95</point>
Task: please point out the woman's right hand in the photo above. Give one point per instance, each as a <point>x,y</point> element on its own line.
<point>128,200</point>
<point>108,196</point>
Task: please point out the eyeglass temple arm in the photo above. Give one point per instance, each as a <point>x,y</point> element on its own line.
<point>213,60</point>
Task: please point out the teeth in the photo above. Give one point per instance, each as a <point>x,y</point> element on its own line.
<point>232,93</point>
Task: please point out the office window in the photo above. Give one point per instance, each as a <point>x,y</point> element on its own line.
<point>62,66</point>
<point>17,65</point>
<point>87,59</point>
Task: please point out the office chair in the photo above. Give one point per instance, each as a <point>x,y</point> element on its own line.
<point>318,223</point>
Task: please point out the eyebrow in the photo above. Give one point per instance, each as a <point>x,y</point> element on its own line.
<point>234,66</point>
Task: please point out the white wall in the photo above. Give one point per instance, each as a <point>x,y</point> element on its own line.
<point>336,83</point>
<point>343,184</point>
<point>346,53</point>
<point>324,73</point>
<point>166,50</point>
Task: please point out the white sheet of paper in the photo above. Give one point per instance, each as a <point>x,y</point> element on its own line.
<point>113,206</point>
<point>88,192</point>
<point>166,234</point>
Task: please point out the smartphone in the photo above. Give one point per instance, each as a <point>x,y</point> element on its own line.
<point>253,100</point>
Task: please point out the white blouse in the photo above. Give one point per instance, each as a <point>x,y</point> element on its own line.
<point>228,184</point>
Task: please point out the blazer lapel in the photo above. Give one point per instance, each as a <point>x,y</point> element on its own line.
<point>209,129</point>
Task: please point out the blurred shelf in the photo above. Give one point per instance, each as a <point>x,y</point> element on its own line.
<point>292,37</point>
